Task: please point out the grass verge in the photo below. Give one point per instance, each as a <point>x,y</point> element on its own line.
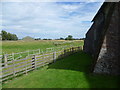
<point>70,72</point>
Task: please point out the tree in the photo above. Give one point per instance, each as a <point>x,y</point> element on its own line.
<point>82,38</point>
<point>61,38</point>
<point>4,35</point>
<point>8,36</point>
<point>14,37</point>
<point>45,39</point>
<point>70,37</point>
<point>37,38</point>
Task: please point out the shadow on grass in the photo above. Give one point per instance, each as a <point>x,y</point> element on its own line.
<point>82,62</point>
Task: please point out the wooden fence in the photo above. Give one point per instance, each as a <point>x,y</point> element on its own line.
<point>11,69</point>
<point>21,55</point>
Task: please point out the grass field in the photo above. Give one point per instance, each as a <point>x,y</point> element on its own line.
<point>19,46</point>
<point>70,72</point>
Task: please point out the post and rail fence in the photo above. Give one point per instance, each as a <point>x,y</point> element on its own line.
<point>17,66</point>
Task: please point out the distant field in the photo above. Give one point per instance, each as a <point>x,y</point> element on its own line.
<point>19,46</point>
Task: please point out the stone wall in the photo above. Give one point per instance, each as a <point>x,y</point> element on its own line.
<point>103,40</point>
<point>108,60</point>
<point>97,31</point>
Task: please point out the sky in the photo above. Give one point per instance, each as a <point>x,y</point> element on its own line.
<point>48,19</point>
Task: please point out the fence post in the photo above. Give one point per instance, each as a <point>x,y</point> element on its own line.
<point>72,50</point>
<point>64,52</point>
<point>26,65</point>
<point>68,50</point>
<point>43,57</point>
<point>81,47</point>
<point>33,61</point>
<point>39,51</point>
<point>78,48</point>
<point>5,59</point>
<point>13,56</point>
<point>53,49</point>
<point>13,65</point>
<point>54,57</point>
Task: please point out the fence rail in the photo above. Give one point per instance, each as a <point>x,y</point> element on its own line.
<point>21,55</point>
<point>13,68</point>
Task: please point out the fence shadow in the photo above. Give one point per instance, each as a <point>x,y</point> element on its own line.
<point>82,62</point>
<point>71,62</point>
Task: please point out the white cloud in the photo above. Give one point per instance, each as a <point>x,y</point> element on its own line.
<point>60,0</point>
<point>48,19</point>
<point>57,0</point>
<point>71,7</point>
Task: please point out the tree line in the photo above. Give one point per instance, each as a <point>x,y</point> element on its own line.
<point>69,37</point>
<point>8,36</point>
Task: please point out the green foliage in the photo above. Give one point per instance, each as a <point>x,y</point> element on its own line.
<point>61,38</point>
<point>8,36</point>
<point>47,39</point>
<point>70,37</point>
<point>82,38</point>
<point>37,38</point>
<point>70,72</point>
<point>4,35</point>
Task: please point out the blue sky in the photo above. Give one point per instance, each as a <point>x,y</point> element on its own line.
<point>48,19</point>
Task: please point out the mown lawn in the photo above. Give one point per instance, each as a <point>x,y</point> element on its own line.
<point>19,46</point>
<point>70,72</point>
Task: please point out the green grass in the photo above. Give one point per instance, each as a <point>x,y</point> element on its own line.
<point>19,46</point>
<point>70,72</point>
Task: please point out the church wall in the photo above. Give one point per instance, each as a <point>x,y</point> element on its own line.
<point>108,60</point>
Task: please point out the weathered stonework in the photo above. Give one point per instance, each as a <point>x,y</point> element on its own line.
<point>103,39</point>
